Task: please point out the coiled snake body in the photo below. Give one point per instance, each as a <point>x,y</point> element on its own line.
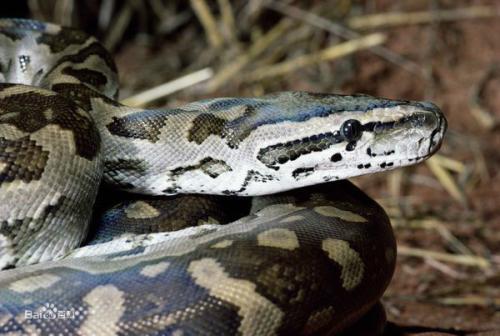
<point>310,255</point>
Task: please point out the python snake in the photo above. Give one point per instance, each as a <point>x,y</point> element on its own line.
<point>308,254</point>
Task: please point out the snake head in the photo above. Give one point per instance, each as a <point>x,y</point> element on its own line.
<point>346,136</point>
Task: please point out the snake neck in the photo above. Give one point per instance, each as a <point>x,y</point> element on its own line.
<point>253,146</point>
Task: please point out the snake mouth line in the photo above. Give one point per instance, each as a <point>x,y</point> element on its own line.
<point>395,164</point>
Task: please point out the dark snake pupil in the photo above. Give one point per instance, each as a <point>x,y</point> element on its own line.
<point>351,130</point>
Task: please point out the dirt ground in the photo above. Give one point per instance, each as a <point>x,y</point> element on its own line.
<point>445,213</point>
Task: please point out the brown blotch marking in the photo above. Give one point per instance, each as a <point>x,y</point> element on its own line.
<point>126,167</point>
<point>174,213</point>
<point>23,229</point>
<point>243,126</point>
<point>91,77</point>
<point>144,125</point>
<point>22,160</point>
<point>204,125</point>
<point>302,172</point>
<point>26,111</point>
<point>94,48</point>
<point>6,68</point>
<point>234,130</point>
<point>12,33</point>
<point>255,176</point>
<point>208,165</point>
<point>81,94</point>
<point>60,41</point>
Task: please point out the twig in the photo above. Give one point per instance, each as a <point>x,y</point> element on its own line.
<point>467,260</point>
<point>145,97</point>
<point>206,18</point>
<point>467,300</point>
<point>279,51</point>
<point>375,21</point>
<point>36,10</point>
<point>170,22</point>
<point>445,269</point>
<point>454,243</point>
<point>105,14</point>
<point>395,183</point>
<point>344,32</point>
<point>477,102</point>
<point>228,20</point>
<point>326,54</point>
<point>118,26</point>
<point>449,163</point>
<point>425,180</point>
<point>480,161</point>
<point>63,12</point>
<point>446,180</point>
<point>253,51</point>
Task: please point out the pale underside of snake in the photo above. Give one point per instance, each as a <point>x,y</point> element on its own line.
<point>309,255</point>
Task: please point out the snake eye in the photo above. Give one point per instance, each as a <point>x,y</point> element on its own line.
<point>351,130</point>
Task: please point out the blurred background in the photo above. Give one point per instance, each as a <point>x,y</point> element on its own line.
<point>445,212</point>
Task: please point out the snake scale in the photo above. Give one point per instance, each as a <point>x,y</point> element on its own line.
<point>308,254</point>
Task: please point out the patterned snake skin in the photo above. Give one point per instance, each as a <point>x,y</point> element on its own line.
<point>306,255</point>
